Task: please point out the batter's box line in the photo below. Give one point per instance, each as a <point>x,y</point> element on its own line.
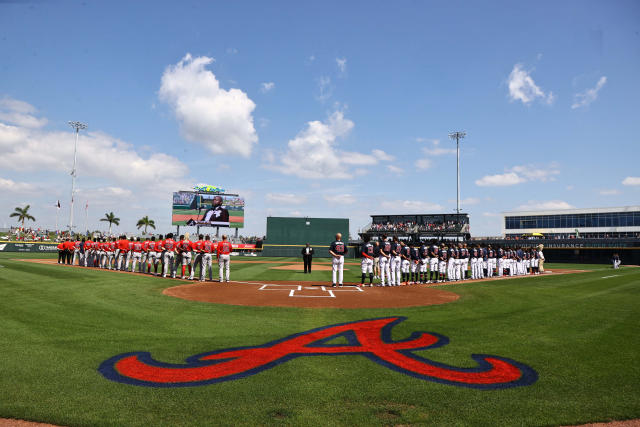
<point>266,286</point>
<point>292,294</point>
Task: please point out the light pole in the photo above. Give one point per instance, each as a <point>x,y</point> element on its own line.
<point>77,126</point>
<point>458,136</point>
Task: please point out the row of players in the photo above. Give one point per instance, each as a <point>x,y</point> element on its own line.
<point>399,263</point>
<point>125,255</point>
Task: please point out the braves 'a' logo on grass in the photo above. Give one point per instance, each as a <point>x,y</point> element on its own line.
<point>369,338</point>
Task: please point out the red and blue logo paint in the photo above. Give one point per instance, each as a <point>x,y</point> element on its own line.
<point>369,338</point>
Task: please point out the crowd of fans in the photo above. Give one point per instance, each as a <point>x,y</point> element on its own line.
<point>393,226</point>
<point>411,226</point>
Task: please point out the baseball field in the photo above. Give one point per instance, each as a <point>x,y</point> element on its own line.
<point>92,347</point>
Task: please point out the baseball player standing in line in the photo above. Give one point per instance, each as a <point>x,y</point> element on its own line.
<point>197,257</point>
<point>465,262</point>
<point>442,263</point>
<point>415,264</point>
<point>169,256</point>
<point>145,255</point>
<point>385,258</point>
<point>424,263</point>
<point>367,252</point>
<point>151,254</point>
<point>159,258</point>
<point>405,263</point>
<point>223,251</point>
<point>136,254</point>
<point>77,245</point>
<point>433,263</point>
<point>337,250</point>
<point>396,262</point>
<point>207,248</point>
<point>376,260</point>
<point>185,250</point>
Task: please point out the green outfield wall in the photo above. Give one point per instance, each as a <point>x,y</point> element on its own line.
<point>286,236</point>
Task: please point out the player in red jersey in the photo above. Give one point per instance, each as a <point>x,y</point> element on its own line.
<point>88,247</point>
<point>61,254</point>
<point>184,246</point>
<point>77,245</point>
<point>197,257</point>
<point>159,256</point>
<point>123,248</point>
<point>208,247</point>
<point>223,251</point>
<point>145,255</point>
<point>136,253</point>
<point>169,256</point>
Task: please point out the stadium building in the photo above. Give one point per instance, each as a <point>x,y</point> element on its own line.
<point>418,227</point>
<point>594,223</point>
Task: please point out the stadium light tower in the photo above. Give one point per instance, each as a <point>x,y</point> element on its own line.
<point>458,136</point>
<point>78,126</point>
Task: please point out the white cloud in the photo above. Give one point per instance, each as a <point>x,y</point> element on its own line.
<point>313,154</point>
<point>500,180</point>
<point>10,186</point>
<point>324,88</point>
<point>285,198</point>
<point>610,192</point>
<point>99,155</point>
<point>410,206</point>
<point>267,87</point>
<point>218,119</point>
<point>381,155</point>
<point>342,64</point>
<point>533,205</point>
<point>433,150</point>
<point>470,201</point>
<point>631,180</point>
<point>423,163</point>
<point>340,199</point>
<point>585,98</point>
<point>19,113</point>
<point>436,150</point>
<point>394,169</point>
<point>523,88</point>
<point>518,175</point>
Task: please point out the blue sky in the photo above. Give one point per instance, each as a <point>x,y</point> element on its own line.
<point>323,109</point>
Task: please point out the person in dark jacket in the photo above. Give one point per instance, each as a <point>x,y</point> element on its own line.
<point>307,256</point>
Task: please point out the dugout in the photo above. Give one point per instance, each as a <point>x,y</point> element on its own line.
<point>286,236</point>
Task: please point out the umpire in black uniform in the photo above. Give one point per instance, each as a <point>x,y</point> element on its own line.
<point>307,255</point>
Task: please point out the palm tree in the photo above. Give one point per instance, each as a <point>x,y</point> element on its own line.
<point>146,222</point>
<point>22,214</point>
<point>111,219</point>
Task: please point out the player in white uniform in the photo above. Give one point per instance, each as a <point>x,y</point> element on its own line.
<point>338,250</point>
<point>405,263</point>
<point>424,263</point>
<point>433,263</point>
<point>367,252</point>
<point>396,262</point>
<point>384,261</point>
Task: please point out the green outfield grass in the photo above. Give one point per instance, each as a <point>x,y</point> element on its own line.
<point>579,332</point>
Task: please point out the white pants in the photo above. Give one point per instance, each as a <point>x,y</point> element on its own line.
<point>197,260</point>
<point>500,267</point>
<point>206,267</point>
<point>415,266</point>
<point>367,265</point>
<point>433,264</point>
<point>396,264</point>
<point>442,267</point>
<point>465,267</point>
<point>616,263</point>
<point>457,268</point>
<point>491,264</point>
<point>136,258</point>
<point>224,264</point>
<point>169,257</point>
<point>424,262</point>
<point>405,266</point>
<point>451,275</point>
<point>338,267</point>
<point>385,272</point>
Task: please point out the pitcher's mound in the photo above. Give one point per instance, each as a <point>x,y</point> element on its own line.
<point>311,294</point>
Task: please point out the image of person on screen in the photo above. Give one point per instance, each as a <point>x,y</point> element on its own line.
<point>218,214</point>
